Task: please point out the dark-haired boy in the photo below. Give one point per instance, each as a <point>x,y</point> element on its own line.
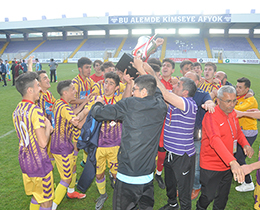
<point>98,75</point>
<point>62,148</point>
<point>82,82</point>
<point>33,131</point>
<point>248,126</point>
<point>109,137</point>
<point>83,85</point>
<point>167,70</point>
<point>46,101</point>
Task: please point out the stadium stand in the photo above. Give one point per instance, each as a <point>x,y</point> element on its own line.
<point>256,42</point>
<point>103,48</point>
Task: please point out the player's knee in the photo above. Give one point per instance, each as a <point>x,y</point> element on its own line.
<point>68,181</point>
<point>100,176</point>
<point>46,204</point>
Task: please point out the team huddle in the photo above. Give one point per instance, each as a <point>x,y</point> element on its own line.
<point>186,126</point>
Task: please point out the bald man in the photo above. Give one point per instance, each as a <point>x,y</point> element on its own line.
<point>222,76</point>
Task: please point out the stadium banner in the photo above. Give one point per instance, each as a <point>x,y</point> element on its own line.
<point>155,19</point>
<point>205,60</point>
<point>179,60</point>
<point>241,61</point>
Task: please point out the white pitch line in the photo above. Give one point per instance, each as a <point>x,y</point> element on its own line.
<point>7,133</point>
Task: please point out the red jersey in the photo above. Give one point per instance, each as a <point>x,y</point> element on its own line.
<point>96,78</point>
<point>166,84</point>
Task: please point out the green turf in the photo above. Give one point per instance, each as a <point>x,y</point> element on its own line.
<point>12,193</point>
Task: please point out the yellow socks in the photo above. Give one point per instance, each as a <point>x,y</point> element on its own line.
<point>34,205</point>
<point>60,192</point>
<point>101,185</point>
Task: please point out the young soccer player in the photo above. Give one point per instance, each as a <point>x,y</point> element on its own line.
<point>209,85</point>
<point>98,75</point>
<point>109,138</point>
<point>83,85</point>
<point>33,131</point>
<point>45,102</point>
<point>62,148</point>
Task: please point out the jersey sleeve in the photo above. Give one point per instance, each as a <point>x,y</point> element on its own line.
<point>67,113</point>
<point>38,118</point>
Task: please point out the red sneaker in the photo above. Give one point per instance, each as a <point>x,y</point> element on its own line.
<point>195,194</point>
<point>75,194</point>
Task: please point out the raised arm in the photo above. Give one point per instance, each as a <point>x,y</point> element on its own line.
<point>170,97</point>
<point>30,63</point>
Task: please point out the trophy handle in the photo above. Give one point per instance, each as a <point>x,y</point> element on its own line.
<point>146,46</point>
<point>137,49</point>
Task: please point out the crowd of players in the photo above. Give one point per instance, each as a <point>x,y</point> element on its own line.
<point>185,125</point>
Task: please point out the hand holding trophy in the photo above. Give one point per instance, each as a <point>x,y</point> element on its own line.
<point>145,47</point>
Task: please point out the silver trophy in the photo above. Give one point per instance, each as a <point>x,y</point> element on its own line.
<point>144,48</point>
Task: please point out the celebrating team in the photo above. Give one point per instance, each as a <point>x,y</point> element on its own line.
<point>188,122</point>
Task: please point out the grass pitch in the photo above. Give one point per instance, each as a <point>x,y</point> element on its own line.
<point>12,191</point>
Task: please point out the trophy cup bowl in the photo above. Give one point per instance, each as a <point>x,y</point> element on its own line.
<point>144,48</point>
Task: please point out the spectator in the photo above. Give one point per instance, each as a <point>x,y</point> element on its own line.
<point>24,65</point>
<point>53,66</point>
<point>222,76</point>
<point>3,70</point>
<point>38,65</point>
<point>7,66</point>
<point>13,72</point>
<point>18,70</point>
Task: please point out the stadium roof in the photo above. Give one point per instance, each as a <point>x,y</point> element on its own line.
<point>221,21</point>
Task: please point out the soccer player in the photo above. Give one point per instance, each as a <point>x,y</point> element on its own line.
<point>45,102</point>
<point>98,75</point>
<point>167,70</point>
<point>62,148</point>
<point>248,126</point>
<point>82,82</point>
<point>156,66</point>
<point>186,66</point>
<point>109,138</point>
<point>33,131</point>
<point>107,67</point>
<point>198,69</point>
<point>209,85</point>
<point>98,88</point>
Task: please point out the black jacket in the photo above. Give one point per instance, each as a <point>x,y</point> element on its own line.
<point>142,120</point>
<point>88,142</point>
